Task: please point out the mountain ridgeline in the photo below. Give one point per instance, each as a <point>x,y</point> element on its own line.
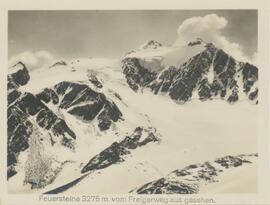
<point>209,74</point>
<point>48,124</point>
<point>190,179</point>
<point>31,116</point>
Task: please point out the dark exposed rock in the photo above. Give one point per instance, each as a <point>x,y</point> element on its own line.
<point>21,106</point>
<point>107,157</point>
<point>192,166</point>
<point>115,153</point>
<point>204,90</point>
<point>76,94</point>
<point>253,95</point>
<point>20,127</point>
<point>26,110</point>
<point>87,112</point>
<point>230,161</point>
<point>45,118</point>
<point>63,63</point>
<point>93,79</point>
<point>13,95</point>
<point>192,76</point>
<point>110,114</point>
<point>233,97</point>
<point>79,99</point>
<point>151,44</point>
<point>164,80</point>
<point>194,43</point>
<point>48,95</point>
<point>163,186</point>
<point>189,179</point>
<point>182,172</point>
<point>82,101</point>
<point>11,172</point>
<point>136,75</point>
<point>208,172</point>
<point>20,77</point>
<point>250,76</point>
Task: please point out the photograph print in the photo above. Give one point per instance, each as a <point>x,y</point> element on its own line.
<point>132,102</point>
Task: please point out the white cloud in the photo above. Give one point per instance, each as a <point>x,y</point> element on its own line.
<point>254,59</point>
<point>33,60</point>
<point>209,28</point>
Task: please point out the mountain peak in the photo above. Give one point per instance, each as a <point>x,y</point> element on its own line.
<point>20,63</point>
<point>197,41</point>
<point>18,75</point>
<point>15,68</point>
<point>200,41</point>
<point>152,44</point>
<point>59,63</point>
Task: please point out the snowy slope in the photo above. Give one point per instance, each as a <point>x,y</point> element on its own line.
<point>187,136</point>
<point>192,133</point>
<point>189,180</point>
<point>156,57</point>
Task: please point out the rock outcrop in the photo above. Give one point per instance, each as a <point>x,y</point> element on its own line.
<point>189,179</point>
<point>115,153</point>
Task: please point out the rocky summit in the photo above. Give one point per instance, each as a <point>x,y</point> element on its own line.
<point>210,74</point>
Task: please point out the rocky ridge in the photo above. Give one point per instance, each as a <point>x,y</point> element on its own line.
<point>117,151</point>
<point>210,74</point>
<point>36,126</point>
<point>189,179</point>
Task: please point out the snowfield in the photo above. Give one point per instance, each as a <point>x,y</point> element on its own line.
<point>191,133</point>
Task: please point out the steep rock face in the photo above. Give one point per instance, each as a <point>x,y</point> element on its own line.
<point>191,75</point>
<point>20,76</point>
<point>48,95</point>
<point>136,75</point>
<point>83,102</point>
<point>116,152</point>
<point>94,80</point>
<point>189,179</point>
<point>37,130</point>
<point>25,111</point>
<point>152,44</point>
<point>164,80</point>
<point>210,74</point>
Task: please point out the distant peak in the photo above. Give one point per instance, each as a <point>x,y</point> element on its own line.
<point>58,63</point>
<point>18,74</point>
<point>197,41</point>
<point>201,42</point>
<point>18,66</point>
<point>152,44</point>
<point>20,63</point>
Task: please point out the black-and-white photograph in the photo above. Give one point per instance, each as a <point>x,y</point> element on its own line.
<point>132,102</point>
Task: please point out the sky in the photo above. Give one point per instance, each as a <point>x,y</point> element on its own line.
<point>46,35</point>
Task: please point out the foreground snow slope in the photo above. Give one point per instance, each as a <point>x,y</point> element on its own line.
<point>223,171</point>
<point>190,135</point>
<point>195,132</point>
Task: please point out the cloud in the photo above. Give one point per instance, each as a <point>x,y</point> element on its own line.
<point>254,59</point>
<point>209,28</point>
<point>33,60</point>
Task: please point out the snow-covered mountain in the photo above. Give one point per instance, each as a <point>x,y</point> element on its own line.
<point>206,74</point>
<point>79,122</point>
